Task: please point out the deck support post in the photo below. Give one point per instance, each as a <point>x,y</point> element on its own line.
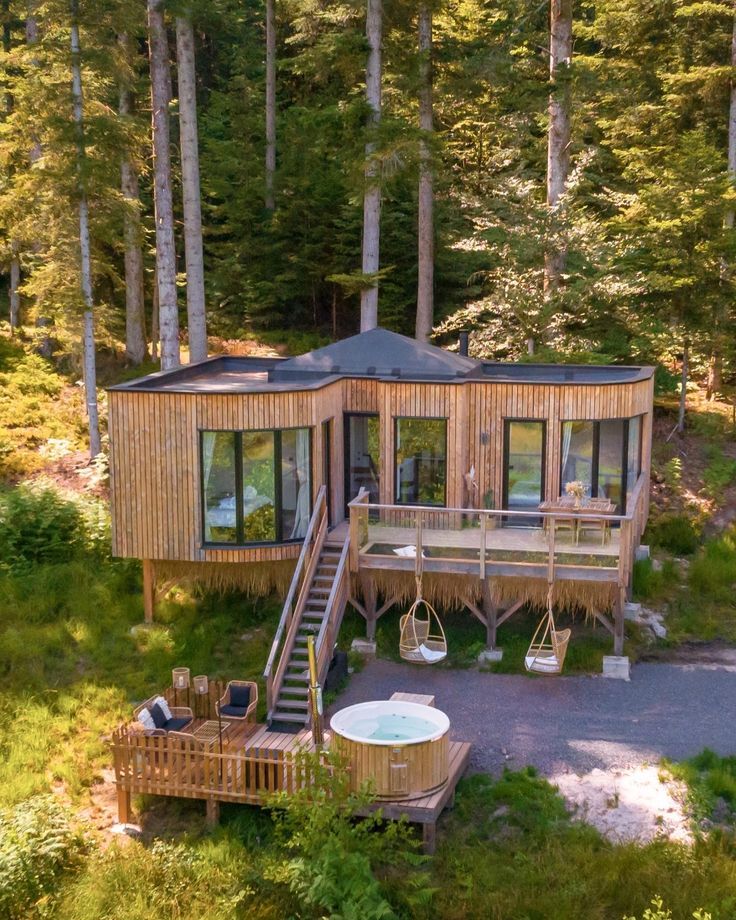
<point>429,837</point>
<point>618,622</point>
<point>213,812</point>
<point>370,600</point>
<point>149,590</point>
<point>124,809</point>
<point>491,613</point>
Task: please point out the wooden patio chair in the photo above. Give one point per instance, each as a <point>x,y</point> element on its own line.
<point>239,701</point>
<point>181,717</point>
<point>595,524</point>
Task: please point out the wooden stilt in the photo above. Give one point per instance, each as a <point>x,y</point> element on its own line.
<point>429,837</point>
<point>369,598</point>
<point>491,613</point>
<point>124,809</point>
<point>213,812</point>
<point>149,590</point>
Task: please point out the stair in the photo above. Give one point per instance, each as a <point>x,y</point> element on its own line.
<point>292,703</point>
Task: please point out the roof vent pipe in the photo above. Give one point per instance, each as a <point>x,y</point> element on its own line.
<point>463,342</point>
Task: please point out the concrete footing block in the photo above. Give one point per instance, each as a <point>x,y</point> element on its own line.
<point>632,611</point>
<point>364,647</point>
<point>490,656</point>
<point>617,667</point>
<point>642,552</point>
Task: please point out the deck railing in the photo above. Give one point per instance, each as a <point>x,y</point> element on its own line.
<point>296,597</point>
<point>485,541</point>
<point>334,611</point>
<point>162,765</point>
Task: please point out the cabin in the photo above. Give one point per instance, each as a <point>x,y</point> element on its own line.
<point>340,475</point>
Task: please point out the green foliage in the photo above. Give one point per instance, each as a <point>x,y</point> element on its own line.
<point>659,912</point>
<point>676,533</point>
<point>712,573</point>
<point>711,781</point>
<point>39,525</point>
<point>653,585</point>
<point>332,860</point>
<point>38,845</point>
<point>719,473</point>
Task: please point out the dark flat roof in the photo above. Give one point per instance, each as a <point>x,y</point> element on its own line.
<point>376,354</point>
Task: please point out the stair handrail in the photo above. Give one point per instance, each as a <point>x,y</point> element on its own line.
<point>287,612</point>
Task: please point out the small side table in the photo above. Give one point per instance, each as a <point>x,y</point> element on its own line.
<point>209,732</point>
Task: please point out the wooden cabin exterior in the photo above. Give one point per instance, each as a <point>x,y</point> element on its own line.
<point>216,468</point>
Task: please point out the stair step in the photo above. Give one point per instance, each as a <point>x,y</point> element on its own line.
<point>280,716</point>
<point>292,704</point>
<point>302,678</point>
<point>294,691</point>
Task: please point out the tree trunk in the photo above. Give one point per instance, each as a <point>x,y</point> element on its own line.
<point>372,196</point>
<point>154,319</point>
<point>683,386</point>
<point>14,288</point>
<point>135,315</point>
<point>558,134</point>
<point>189,140</point>
<point>90,369</point>
<point>425,285</point>
<point>270,103</point>
<point>158,48</point>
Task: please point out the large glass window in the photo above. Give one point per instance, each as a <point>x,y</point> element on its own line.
<point>604,456</point>
<point>362,456</point>
<point>523,466</point>
<point>256,485</point>
<point>219,487</point>
<point>577,453</point>
<point>611,459</point>
<point>421,460</point>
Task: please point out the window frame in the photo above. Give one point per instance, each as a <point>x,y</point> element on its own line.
<point>595,469</point>
<point>395,483</point>
<point>278,487</point>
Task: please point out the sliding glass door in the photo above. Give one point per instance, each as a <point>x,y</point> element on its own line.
<point>523,467</point>
<point>362,456</point>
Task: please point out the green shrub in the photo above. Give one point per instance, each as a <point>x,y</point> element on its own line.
<point>40,525</point>
<point>676,533</point>
<point>720,472</point>
<point>658,911</point>
<point>654,585</point>
<point>37,846</point>
<point>712,573</point>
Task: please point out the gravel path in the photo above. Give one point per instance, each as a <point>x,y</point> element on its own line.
<point>563,724</point>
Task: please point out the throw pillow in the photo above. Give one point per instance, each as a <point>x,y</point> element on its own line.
<point>157,714</point>
<point>164,706</point>
<point>146,719</point>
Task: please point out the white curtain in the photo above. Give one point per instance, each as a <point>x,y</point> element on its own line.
<point>566,439</point>
<point>208,451</point>
<point>301,517</point>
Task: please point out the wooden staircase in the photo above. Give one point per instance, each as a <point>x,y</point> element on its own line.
<point>314,606</point>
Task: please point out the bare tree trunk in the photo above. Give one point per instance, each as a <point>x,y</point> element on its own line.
<point>372,196</point>
<point>158,47</point>
<point>715,364</point>
<point>90,368</point>
<point>270,103</point>
<point>683,386</point>
<point>154,319</point>
<point>558,135</point>
<point>14,288</point>
<point>135,307</point>
<point>425,283</point>
<point>189,140</point>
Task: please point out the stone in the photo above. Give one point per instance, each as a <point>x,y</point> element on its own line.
<point>632,611</point>
<point>656,565</point>
<point>617,667</point>
<point>364,647</point>
<point>490,656</point>
<point>659,630</point>
<point>129,830</point>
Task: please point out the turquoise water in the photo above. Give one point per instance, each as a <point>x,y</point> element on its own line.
<point>392,727</point>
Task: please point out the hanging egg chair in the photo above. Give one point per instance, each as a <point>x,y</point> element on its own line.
<point>546,653</point>
<point>422,639</point>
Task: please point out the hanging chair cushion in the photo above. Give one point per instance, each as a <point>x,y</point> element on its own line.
<point>431,655</point>
<point>542,663</point>
<point>410,552</point>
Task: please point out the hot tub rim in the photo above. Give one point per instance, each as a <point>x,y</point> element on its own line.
<point>403,706</point>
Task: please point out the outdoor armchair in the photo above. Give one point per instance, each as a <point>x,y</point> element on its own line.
<point>239,701</point>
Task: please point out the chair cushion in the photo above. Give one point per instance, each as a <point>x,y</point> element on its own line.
<point>176,724</point>
<point>158,716</point>
<point>239,696</point>
<point>237,712</point>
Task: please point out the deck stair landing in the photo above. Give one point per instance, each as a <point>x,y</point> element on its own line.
<point>314,606</point>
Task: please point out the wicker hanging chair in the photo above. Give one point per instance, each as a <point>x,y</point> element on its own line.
<point>422,639</point>
<point>546,654</point>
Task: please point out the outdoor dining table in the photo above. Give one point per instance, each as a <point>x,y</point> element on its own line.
<point>595,507</point>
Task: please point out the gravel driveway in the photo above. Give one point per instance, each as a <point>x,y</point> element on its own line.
<point>561,724</point>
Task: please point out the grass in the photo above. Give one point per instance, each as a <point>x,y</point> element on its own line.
<point>711,781</point>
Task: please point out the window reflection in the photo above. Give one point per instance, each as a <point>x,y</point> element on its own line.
<point>421,461</point>
<point>218,475</point>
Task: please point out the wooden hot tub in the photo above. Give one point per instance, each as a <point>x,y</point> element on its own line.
<point>398,748</point>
